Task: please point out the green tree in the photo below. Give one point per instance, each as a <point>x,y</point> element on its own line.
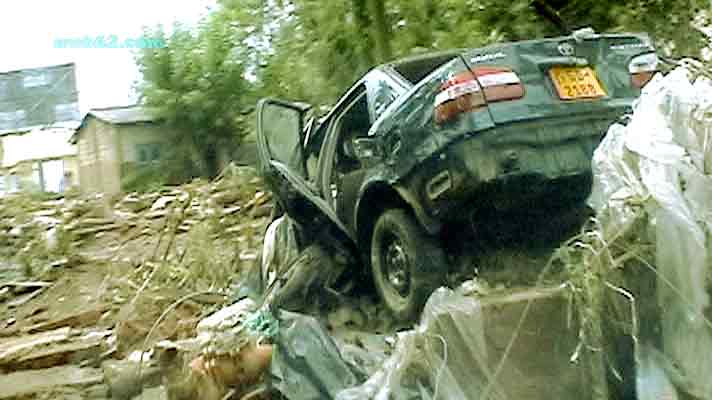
<point>197,85</point>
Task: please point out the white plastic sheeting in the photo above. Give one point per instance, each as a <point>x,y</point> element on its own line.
<point>280,249</point>
<point>398,379</point>
<point>37,144</point>
<point>513,345</point>
<point>662,161</point>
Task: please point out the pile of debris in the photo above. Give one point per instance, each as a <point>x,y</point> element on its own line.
<point>84,281</point>
<point>37,231</point>
<point>626,318</point>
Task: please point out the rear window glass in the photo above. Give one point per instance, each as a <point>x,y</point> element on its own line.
<point>416,68</point>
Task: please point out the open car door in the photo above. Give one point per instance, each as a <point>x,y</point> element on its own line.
<point>280,143</point>
<point>280,139</point>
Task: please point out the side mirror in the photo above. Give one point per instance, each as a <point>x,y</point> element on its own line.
<point>367,148</point>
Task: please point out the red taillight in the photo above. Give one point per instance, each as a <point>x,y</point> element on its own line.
<point>460,93</point>
<point>500,84</point>
<point>470,90</point>
<point>642,68</point>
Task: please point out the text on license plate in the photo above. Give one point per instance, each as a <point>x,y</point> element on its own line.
<point>576,83</point>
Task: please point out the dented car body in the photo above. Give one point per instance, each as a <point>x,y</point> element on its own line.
<point>442,135</point>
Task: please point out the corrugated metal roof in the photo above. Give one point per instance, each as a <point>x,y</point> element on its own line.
<point>73,125</point>
<point>117,115</point>
<point>123,115</point>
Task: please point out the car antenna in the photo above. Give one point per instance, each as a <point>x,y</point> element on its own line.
<point>549,13</point>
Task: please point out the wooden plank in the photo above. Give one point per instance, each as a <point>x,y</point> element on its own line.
<point>64,351</point>
<point>24,299</point>
<point>81,319</point>
<point>19,385</point>
<point>17,347</point>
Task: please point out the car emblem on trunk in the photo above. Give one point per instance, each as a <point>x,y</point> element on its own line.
<point>566,49</point>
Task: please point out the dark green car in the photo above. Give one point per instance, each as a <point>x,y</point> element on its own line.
<point>418,145</point>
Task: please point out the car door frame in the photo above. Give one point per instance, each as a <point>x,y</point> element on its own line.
<point>326,159</point>
<point>288,183</point>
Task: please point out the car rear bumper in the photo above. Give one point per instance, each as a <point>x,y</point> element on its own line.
<point>543,164</point>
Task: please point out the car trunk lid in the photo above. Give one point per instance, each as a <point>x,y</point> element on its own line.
<point>559,76</point>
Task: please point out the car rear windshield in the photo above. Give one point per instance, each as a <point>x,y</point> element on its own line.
<point>416,68</point>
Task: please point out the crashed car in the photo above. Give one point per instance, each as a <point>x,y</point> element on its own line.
<point>417,145</point>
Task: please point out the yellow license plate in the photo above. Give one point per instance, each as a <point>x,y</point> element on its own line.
<point>576,83</point>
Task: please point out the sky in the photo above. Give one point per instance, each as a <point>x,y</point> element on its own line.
<point>29,28</point>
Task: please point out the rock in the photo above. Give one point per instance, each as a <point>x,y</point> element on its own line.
<point>225,198</point>
<point>226,317</point>
<point>123,380</point>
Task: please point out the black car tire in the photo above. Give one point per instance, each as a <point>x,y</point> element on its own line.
<point>407,264</point>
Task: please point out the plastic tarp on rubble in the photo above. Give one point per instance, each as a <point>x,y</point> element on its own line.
<point>661,162</point>
<point>512,345</point>
<point>307,364</point>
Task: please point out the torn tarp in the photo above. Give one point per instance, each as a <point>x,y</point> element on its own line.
<point>656,171</point>
<point>306,364</point>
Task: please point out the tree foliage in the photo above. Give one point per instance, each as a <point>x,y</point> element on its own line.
<point>331,44</point>
<point>206,79</point>
<point>197,85</point>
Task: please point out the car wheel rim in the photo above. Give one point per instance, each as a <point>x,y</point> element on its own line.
<point>397,266</point>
